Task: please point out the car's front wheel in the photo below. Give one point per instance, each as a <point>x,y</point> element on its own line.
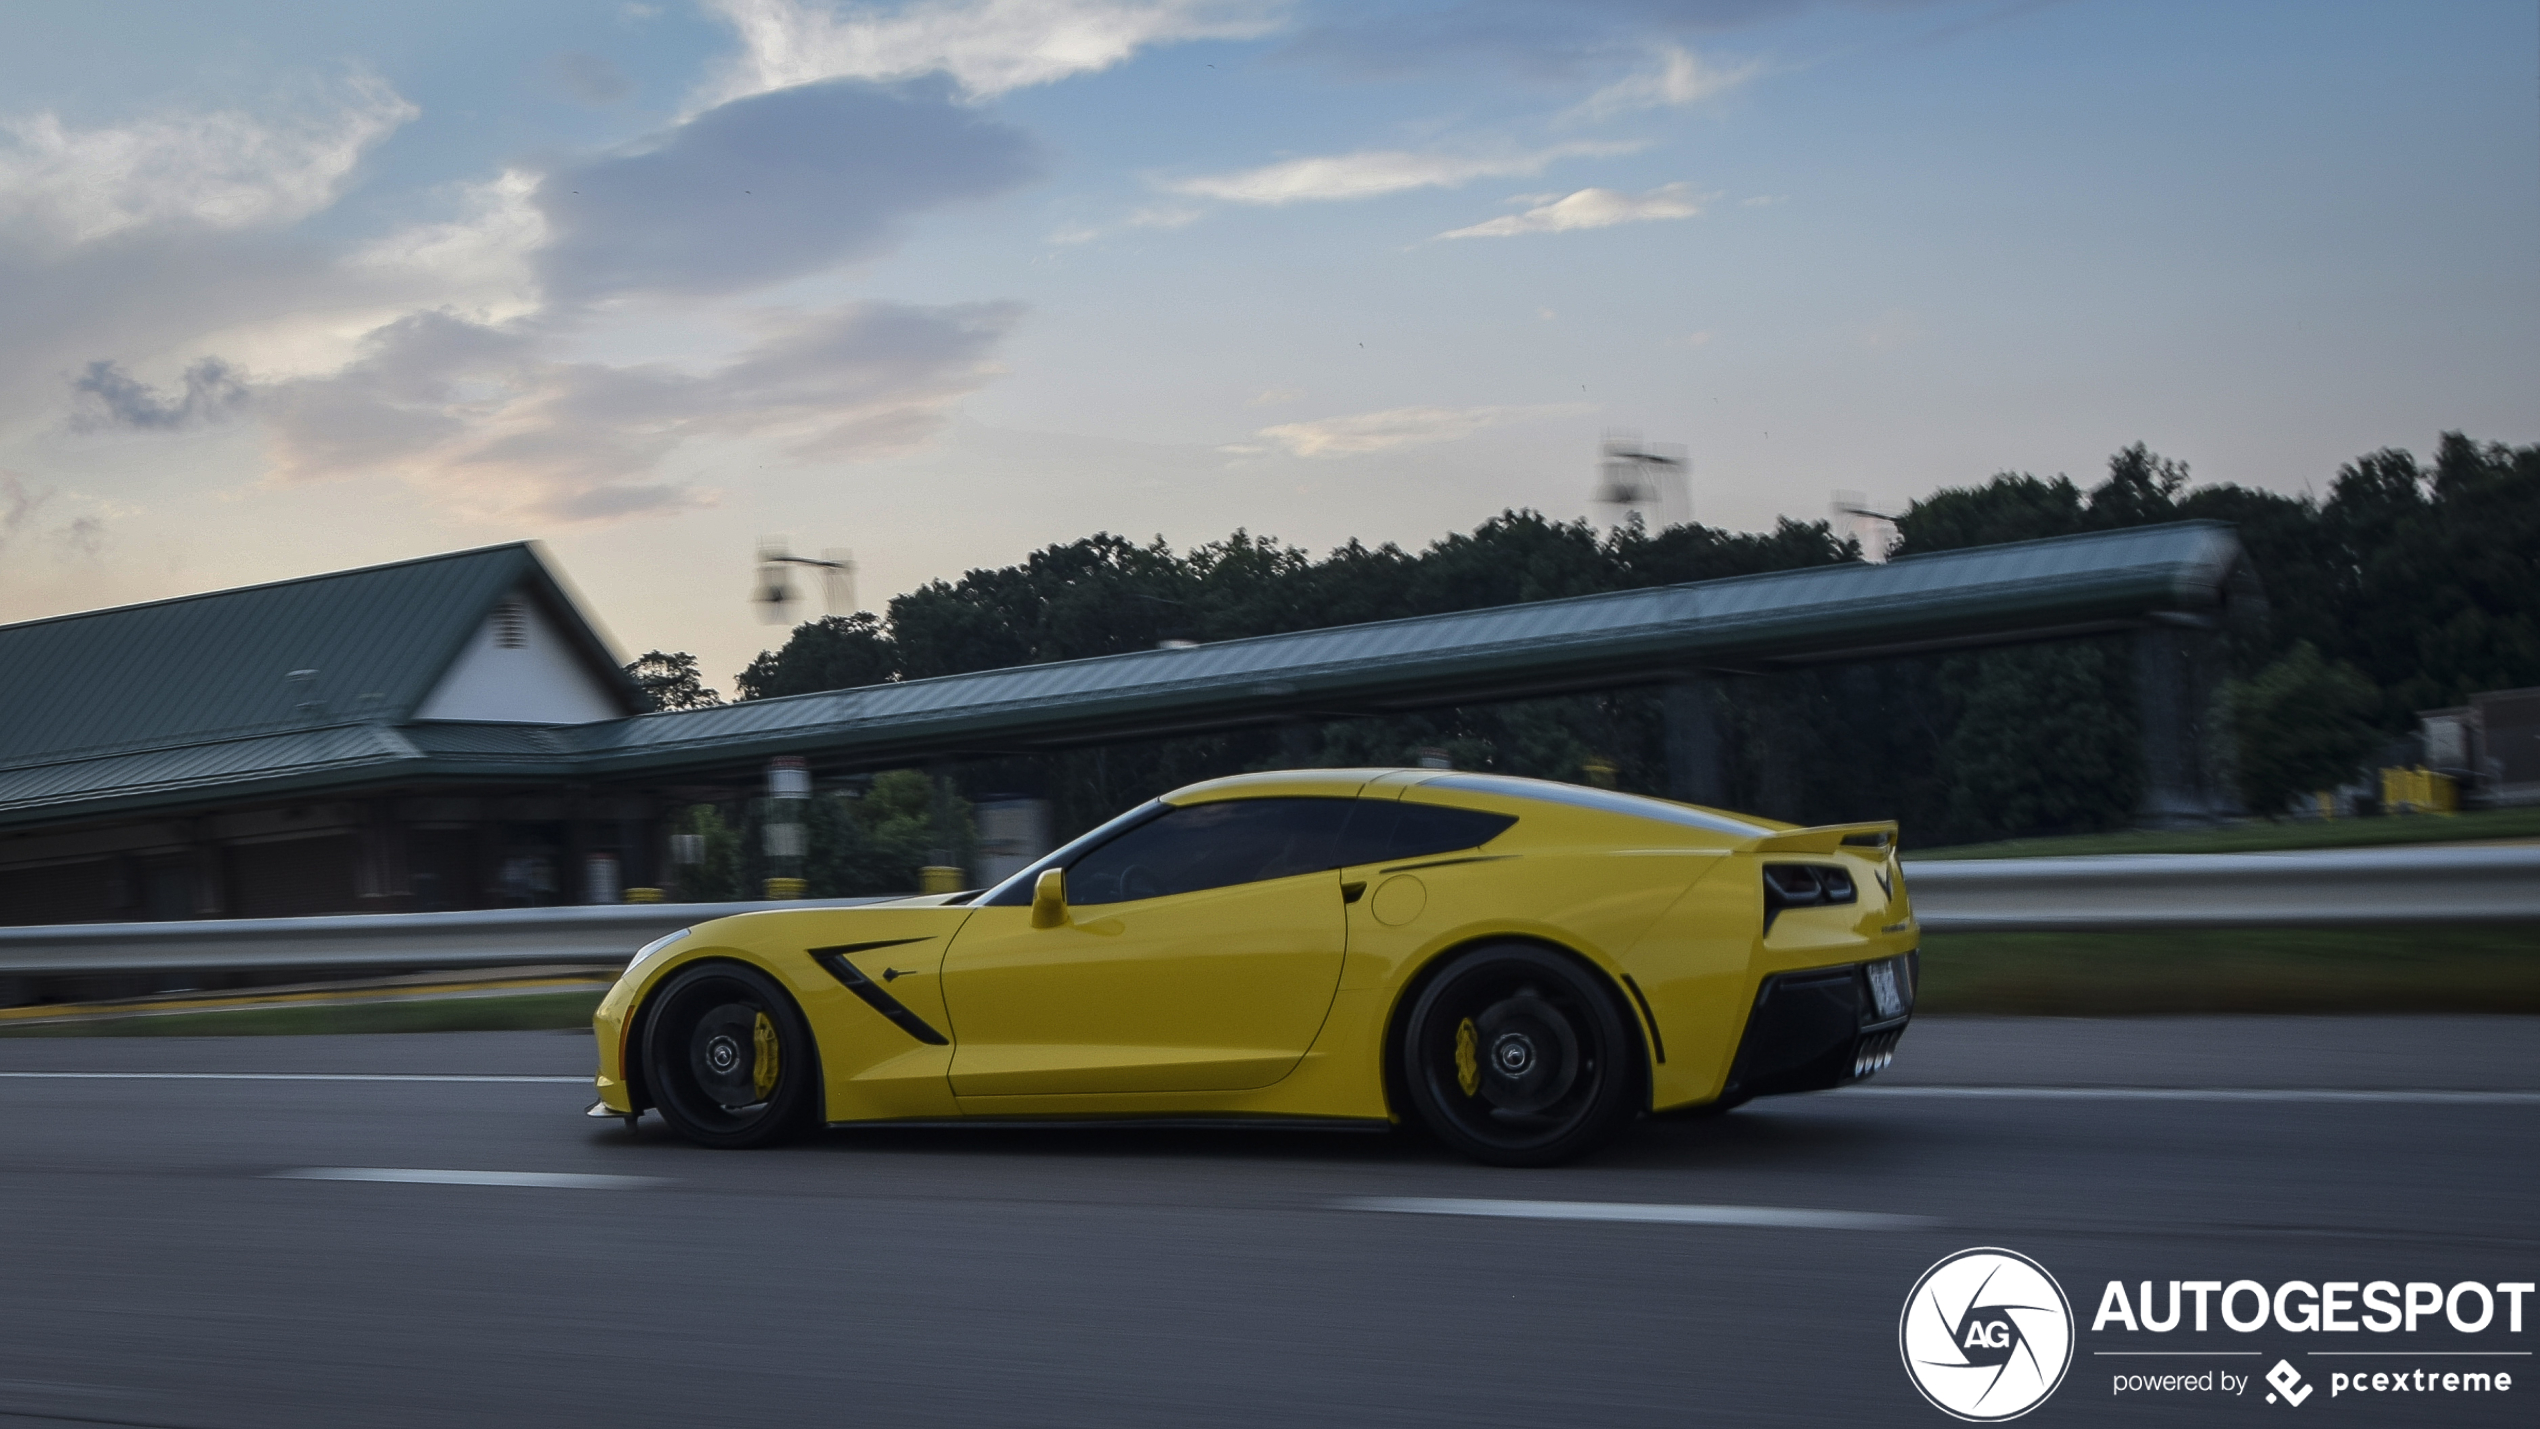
<point>728,1058</point>
<point>1519,1056</point>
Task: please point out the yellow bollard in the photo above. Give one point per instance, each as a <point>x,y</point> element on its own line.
<point>785,887</point>
<point>2442,792</point>
<point>2419,791</point>
<point>644,895</point>
<point>939,878</point>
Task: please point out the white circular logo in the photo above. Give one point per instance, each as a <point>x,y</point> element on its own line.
<point>1987,1334</point>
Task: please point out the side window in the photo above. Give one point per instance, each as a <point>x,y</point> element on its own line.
<point>1389,830</point>
<point>1211,846</point>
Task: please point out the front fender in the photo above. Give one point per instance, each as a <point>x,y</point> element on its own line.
<point>871,1066</point>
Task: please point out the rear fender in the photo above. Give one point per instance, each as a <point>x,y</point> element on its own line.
<point>1607,974</point>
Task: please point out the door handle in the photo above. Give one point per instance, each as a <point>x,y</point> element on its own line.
<point>1350,891</point>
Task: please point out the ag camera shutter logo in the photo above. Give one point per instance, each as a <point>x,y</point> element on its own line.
<point>1986,1335</point>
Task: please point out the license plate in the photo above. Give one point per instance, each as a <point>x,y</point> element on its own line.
<point>1885,991</point>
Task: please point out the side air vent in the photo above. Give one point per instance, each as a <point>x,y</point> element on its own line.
<point>1804,885</point>
<point>511,626</point>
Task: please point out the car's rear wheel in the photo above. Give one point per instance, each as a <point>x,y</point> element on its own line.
<point>1519,1056</point>
<point>729,1059</point>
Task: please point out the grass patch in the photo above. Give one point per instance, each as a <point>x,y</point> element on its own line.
<point>2259,836</point>
<point>503,1012</point>
<point>2446,969</point>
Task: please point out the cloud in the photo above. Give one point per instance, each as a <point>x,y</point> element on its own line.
<point>1681,77</point>
<point>484,419</point>
<point>438,353</point>
<point>591,79</point>
<point>151,240</point>
<point>65,187</point>
<point>18,505</point>
<point>769,188</point>
<point>1589,208</point>
<point>1547,42</point>
<point>484,260</point>
<point>987,47</point>
<point>21,503</point>
<point>1373,172</point>
<point>108,397</point>
<point>1160,215</point>
<point>1164,215</point>
<point>1397,427</point>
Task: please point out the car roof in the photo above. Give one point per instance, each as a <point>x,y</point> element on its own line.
<point>1509,793</point>
<point>1482,790</point>
<point>1283,783</point>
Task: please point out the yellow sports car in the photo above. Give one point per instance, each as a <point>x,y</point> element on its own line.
<point>1522,967</point>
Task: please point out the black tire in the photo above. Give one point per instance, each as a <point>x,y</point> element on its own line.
<point>707,1042</point>
<point>1519,1056</point>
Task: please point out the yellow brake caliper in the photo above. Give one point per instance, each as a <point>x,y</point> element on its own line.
<point>763,1067</point>
<point>1468,1057</point>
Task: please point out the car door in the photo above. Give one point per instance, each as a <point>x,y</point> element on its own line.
<point>1200,953</point>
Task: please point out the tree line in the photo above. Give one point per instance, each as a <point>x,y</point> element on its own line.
<point>2412,585</point>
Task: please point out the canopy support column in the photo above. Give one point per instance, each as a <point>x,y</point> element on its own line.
<point>1695,771</point>
<point>2177,663</point>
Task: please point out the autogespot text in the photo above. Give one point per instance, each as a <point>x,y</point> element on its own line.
<point>2324,1308</point>
<point>2331,1306</point>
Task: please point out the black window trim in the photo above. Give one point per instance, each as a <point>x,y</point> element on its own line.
<point>1016,891</point>
<point>1349,801</point>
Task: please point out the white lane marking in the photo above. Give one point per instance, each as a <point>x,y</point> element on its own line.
<point>1630,1211</point>
<point>277,1077</point>
<point>2203,1094</point>
<point>566,1180</point>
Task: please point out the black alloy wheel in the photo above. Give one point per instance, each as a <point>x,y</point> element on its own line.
<point>1519,1056</point>
<point>729,1059</point>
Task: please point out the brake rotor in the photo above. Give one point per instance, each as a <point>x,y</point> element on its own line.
<point>1529,1052</point>
<point>723,1054</point>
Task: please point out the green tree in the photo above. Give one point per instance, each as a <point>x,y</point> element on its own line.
<point>2303,724</point>
<point>2438,573</point>
<point>671,681</point>
<point>875,844</point>
<point>838,652</point>
<point>2042,740</point>
<point>724,873</point>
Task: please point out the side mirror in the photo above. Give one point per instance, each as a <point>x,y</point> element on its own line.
<point>1049,898</point>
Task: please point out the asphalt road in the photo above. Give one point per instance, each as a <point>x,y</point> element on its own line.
<point>166,1263</point>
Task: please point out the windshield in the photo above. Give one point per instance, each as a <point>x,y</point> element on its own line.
<point>1018,889</point>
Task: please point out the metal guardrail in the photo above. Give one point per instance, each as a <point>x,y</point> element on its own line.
<point>2330,888</point>
<point>501,937</point>
<point>2326,888</point>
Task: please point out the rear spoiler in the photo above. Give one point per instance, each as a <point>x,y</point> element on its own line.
<point>1826,838</point>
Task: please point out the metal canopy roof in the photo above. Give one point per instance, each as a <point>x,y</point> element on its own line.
<point>1989,595</point>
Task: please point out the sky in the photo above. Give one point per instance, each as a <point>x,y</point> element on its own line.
<point>288,287</point>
